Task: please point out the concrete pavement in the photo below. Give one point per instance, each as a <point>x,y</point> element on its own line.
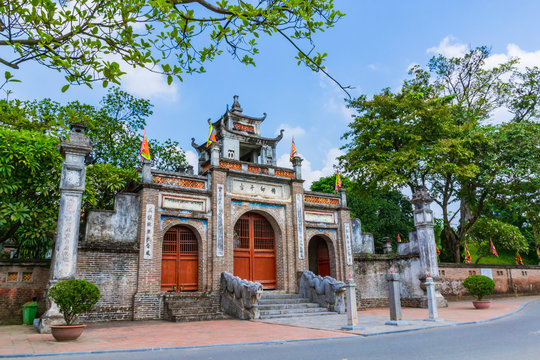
<point>120,336</point>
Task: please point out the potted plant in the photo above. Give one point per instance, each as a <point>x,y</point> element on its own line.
<point>72,297</point>
<point>480,286</point>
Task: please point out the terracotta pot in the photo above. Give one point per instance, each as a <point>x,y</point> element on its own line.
<point>66,333</point>
<point>482,304</point>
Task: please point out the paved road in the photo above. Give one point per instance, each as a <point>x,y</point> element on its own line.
<point>514,337</point>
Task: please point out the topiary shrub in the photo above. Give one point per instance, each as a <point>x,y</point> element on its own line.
<point>479,285</point>
<point>74,297</point>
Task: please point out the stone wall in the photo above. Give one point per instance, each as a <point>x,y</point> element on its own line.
<point>108,257</point>
<point>509,279</point>
<point>370,278</point>
<point>115,274</point>
<point>21,281</point>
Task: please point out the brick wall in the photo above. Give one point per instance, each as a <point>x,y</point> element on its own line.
<point>115,273</point>
<point>508,279</point>
<point>20,282</point>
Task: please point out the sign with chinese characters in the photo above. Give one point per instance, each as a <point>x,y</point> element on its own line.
<point>149,231</point>
<point>245,187</point>
<point>348,246</point>
<point>220,243</point>
<point>183,203</point>
<point>320,217</point>
<point>300,224</point>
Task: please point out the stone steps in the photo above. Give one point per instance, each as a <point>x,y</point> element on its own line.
<point>281,305</point>
<point>185,307</point>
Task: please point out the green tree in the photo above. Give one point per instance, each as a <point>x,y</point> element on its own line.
<point>382,213</point>
<point>30,164</point>
<point>88,39</point>
<point>29,174</point>
<point>504,236</point>
<point>433,133</point>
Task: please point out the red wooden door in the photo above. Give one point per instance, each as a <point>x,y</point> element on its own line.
<point>254,250</point>
<point>180,260</point>
<point>323,259</point>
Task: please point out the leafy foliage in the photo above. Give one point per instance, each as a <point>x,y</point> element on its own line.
<point>30,161</point>
<point>74,297</point>
<point>103,182</point>
<point>382,213</point>
<point>29,174</point>
<point>479,285</point>
<point>88,40</point>
<point>504,236</point>
<point>433,133</point>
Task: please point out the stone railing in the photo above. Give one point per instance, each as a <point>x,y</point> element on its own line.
<point>239,297</point>
<point>327,291</point>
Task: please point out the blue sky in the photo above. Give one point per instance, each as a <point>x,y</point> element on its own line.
<point>371,48</point>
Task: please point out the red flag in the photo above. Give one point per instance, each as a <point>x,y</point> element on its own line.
<point>493,251</point>
<point>519,261</point>
<point>338,181</point>
<point>468,259</point>
<point>145,150</point>
<point>211,136</point>
<point>293,150</point>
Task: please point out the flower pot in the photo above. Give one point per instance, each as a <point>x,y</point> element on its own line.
<point>66,333</point>
<point>482,304</point>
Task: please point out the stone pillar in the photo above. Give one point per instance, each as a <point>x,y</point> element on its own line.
<point>297,166</point>
<point>343,195</point>
<point>147,172</point>
<point>352,313</point>
<point>431,300</point>
<point>72,183</point>
<point>394,300</point>
<point>423,221</point>
<point>214,154</point>
<point>387,245</point>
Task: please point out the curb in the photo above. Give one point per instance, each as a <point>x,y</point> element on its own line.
<point>277,342</point>
<point>456,323</point>
<point>273,342</point>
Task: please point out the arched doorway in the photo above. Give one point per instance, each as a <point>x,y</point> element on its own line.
<point>255,250</point>
<point>180,260</point>
<point>319,256</point>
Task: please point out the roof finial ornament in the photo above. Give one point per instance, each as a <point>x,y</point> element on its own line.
<point>236,105</point>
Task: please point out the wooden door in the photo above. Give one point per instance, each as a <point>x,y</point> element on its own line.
<point>323,258</point>
<point>254,250</point>
<point>180,260</point>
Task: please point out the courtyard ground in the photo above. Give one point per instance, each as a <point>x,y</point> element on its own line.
<point>132,336</point>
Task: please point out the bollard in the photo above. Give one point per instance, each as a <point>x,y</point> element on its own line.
<point>352,313</point>
<point>431,300</point>
<point>394,300</point>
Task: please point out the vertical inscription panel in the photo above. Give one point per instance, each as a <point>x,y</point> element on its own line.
<point>149,231</point>
<point>220,220</point>
<point>300,224</point>
<point>68,234</point>
<point>348,246</point>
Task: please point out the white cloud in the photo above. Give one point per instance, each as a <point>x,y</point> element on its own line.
<point>144,83</point>
<point>526,59</point>
<point>192,160</point>
<point>372,67</point>
<point>338,108</point>
<point>310,175</point>
<point>449,48</point>
<point>290,131</point>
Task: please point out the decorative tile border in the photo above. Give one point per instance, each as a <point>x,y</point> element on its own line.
<point>179,182</point>
<point>321,200</point>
